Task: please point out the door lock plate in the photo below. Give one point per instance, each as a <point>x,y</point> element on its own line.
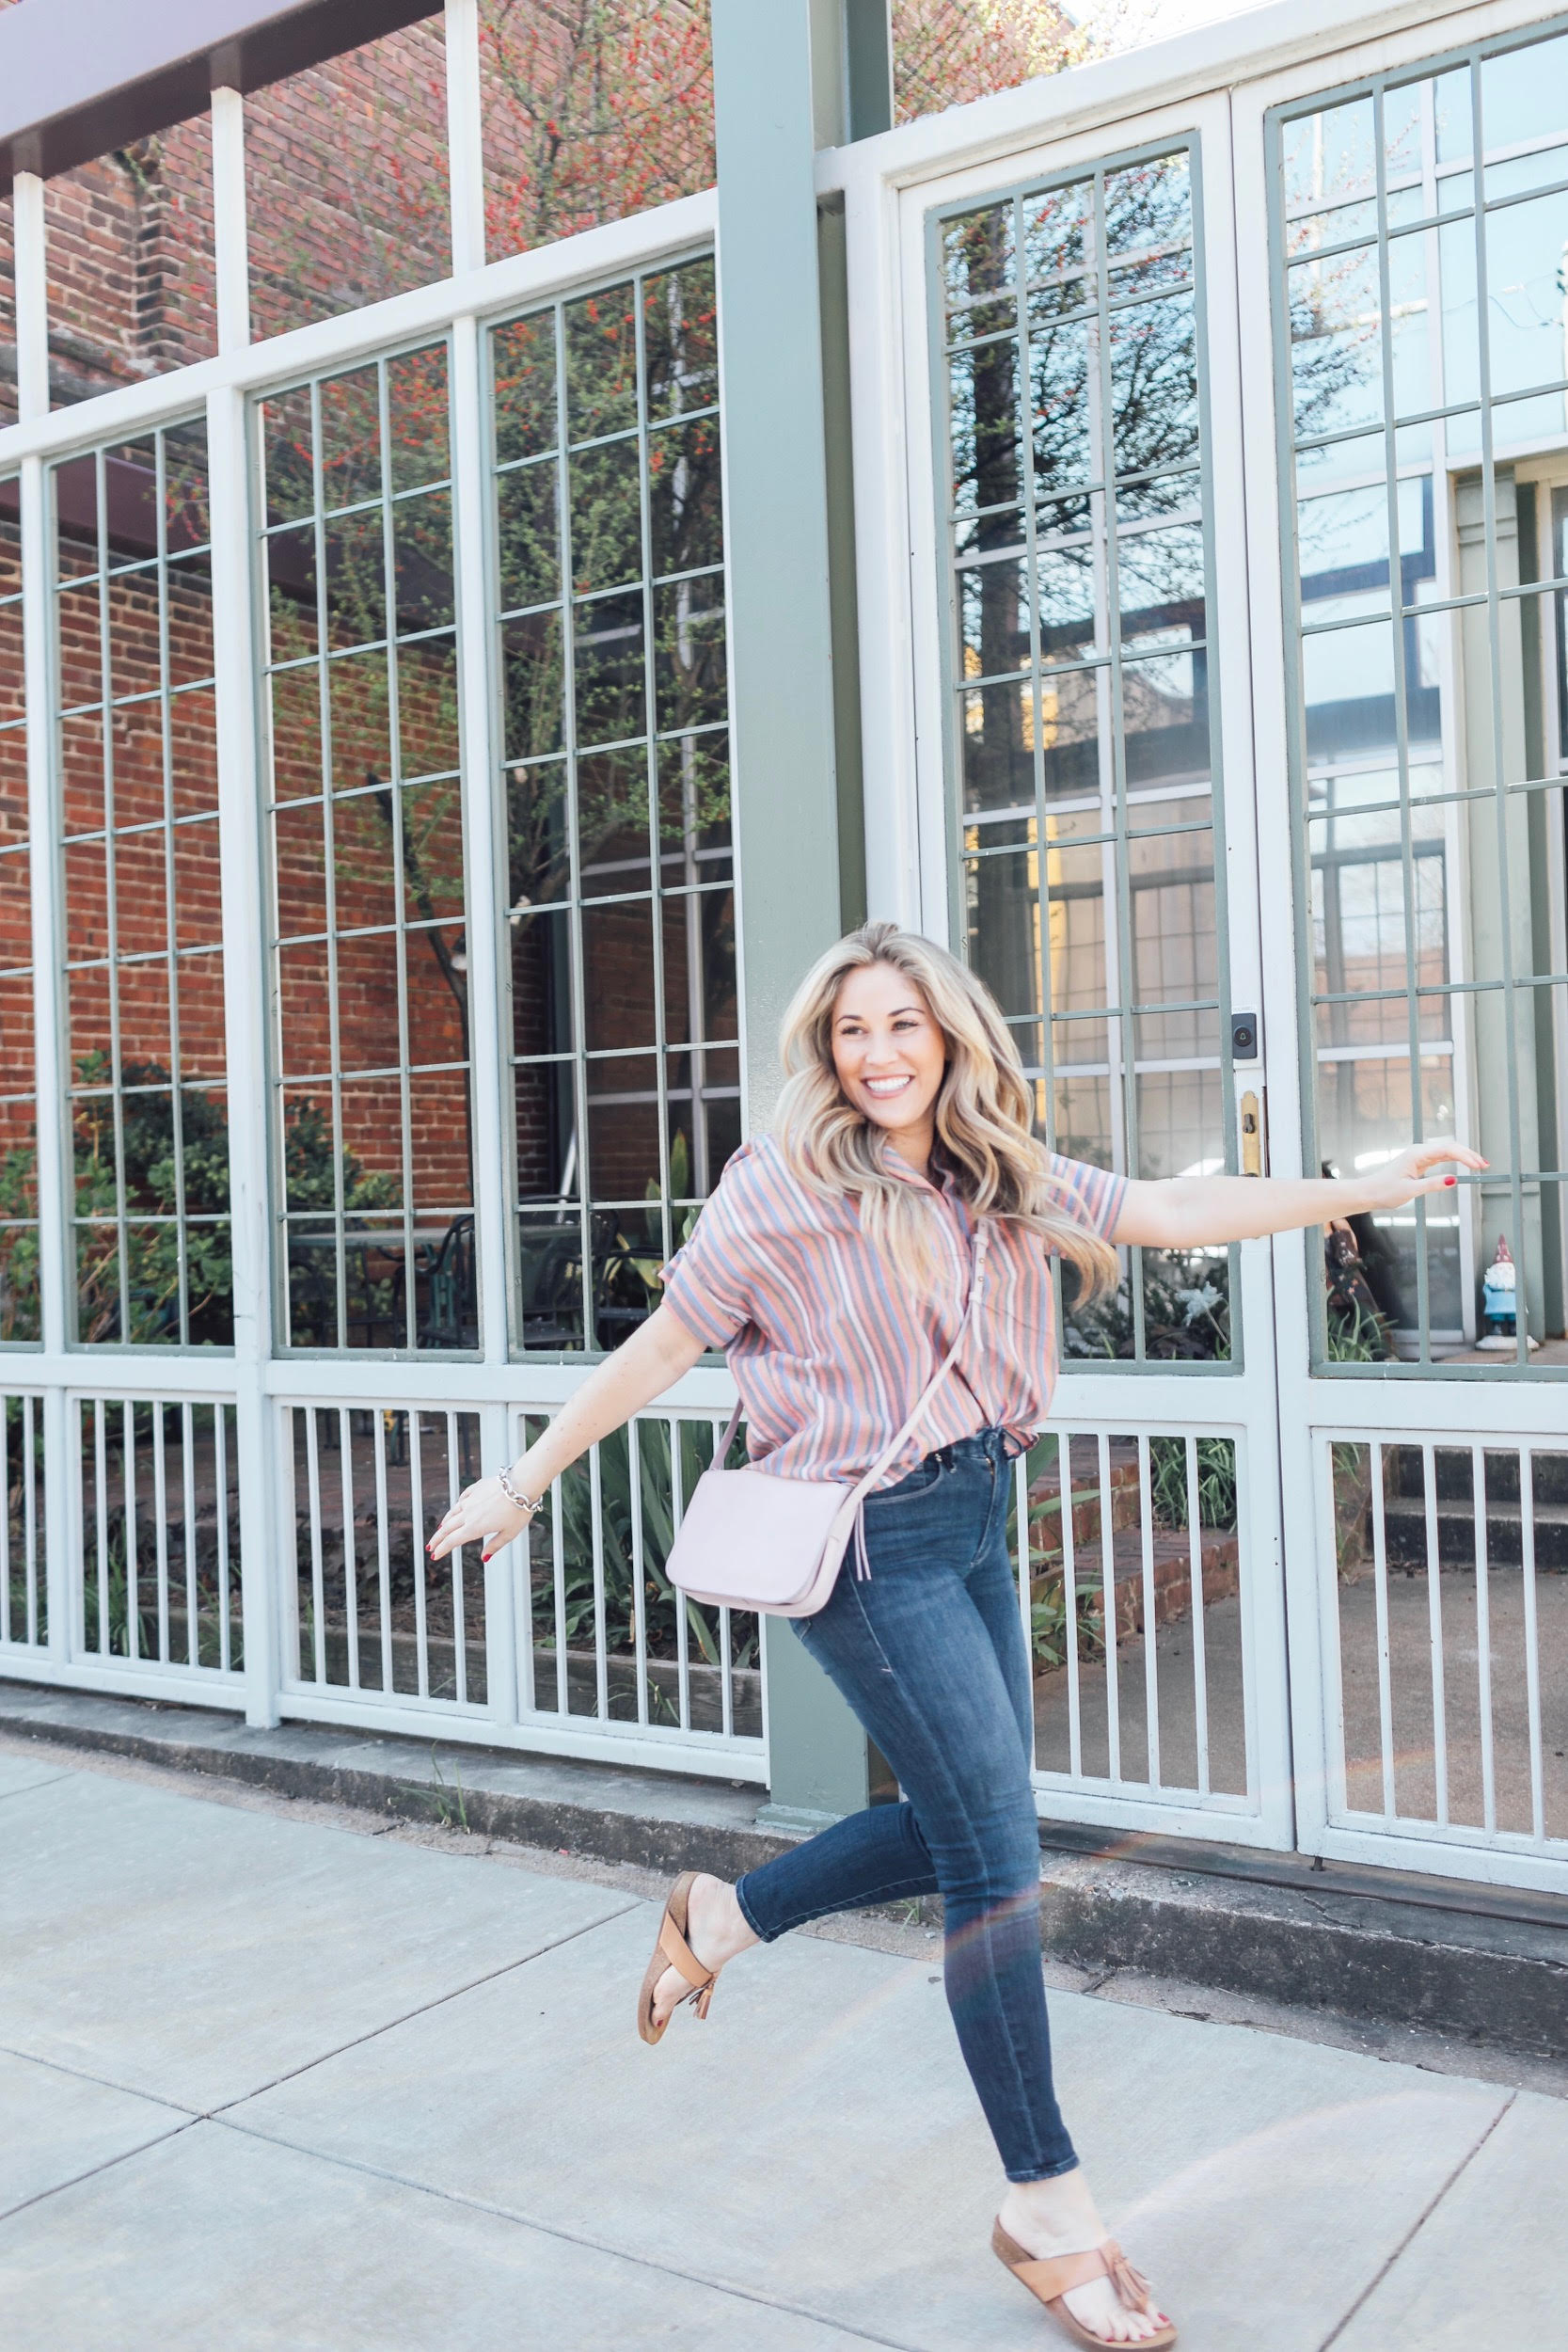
<point>1252,1135</point>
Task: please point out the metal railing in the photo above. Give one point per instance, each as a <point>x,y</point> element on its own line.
<point>1135,1571</point>
<point>23,1586</point>
<point>602,1634</point>
<point>156,1565</point>
<point>570,1640</point>
<point>367,1610</point>
<point>1445,1625</point>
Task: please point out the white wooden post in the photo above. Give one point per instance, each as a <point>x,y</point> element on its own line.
<point>245,1000</point>
<point>49,1039</point>
<point>464,136</point>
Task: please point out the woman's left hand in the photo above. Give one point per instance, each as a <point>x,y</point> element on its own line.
<point>1408,1175</point>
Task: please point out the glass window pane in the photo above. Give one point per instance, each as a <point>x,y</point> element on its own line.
<point>527,532</point>
<point>695,809</point>
<point>998,746</point>
<point>1336,343</point>
<point>523,377</point>
<point>1524,245</point>
<point>1002,895</point>
<point>1432,898</point>
<point>534,715</point>
<point>987,455</point>
<point>1522,93</point>
<point>19,1245</point>
<point>422,575</point>
<point>616,949</point>
<point>1107,712</point>
<point>612,822</point>
<point>699,991</point>
<point>366,825</point>
<point>611,682</point>
<point>606,515</point>
<point>618,976</point>
<point>1154,416</point>
<point>691,659</point>
<point>684,497</point>
<point>1067,448</point>
<point>142,904</point>
<point>680,339</point>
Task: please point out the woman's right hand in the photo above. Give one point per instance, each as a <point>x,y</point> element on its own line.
<point>640,1368</point>
<point>481,1515</point>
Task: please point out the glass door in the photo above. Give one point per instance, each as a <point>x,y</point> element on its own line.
<point>1085,764</point>
<point>1405,232</point>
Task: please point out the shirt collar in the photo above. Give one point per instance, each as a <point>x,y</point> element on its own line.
<point>946,1180</point>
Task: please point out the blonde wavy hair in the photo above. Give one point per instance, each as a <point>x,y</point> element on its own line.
<point>983,1110</point>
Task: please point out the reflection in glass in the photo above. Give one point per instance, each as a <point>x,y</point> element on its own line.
<point>1082,660</point>
<point>365,816</point>
<point>1431,744</point>
<point>144,950</point>
<point>615,705</point>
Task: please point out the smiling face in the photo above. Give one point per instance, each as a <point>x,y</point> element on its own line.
<point>890,1056</point>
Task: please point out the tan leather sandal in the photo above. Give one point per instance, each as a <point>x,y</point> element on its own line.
<point>1052,2281</point>
<point>673,1951</point>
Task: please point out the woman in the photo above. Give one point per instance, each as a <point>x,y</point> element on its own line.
<point>833,1263</point>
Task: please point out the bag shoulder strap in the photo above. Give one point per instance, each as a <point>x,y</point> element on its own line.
<point>863,1485</point>
<point>977,1283</point>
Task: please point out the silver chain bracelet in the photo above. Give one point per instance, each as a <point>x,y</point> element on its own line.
<point>515,1494</point>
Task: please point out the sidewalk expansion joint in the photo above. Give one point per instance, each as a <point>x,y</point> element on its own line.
<point>105,2082</point>
<point>828,2320</point>
<point>421,2008</point>
<point>1416,2227</point>
<point>56,2188</point>
<point>34,1786</point>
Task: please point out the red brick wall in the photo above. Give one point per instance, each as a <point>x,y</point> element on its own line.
<point>132,286</point>
<point>346,177</point>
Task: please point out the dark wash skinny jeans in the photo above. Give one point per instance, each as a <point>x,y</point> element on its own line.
<point>930,1652</point>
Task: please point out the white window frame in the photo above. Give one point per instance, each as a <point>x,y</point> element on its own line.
<point>260,1382</point>
<point>1223,79</point>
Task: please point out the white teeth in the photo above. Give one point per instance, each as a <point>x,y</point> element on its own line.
<point>886,1085</point>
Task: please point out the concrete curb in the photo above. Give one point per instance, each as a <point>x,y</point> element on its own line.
<point>1485,1963</point>
<point>1500,1980</point>
<point>660,1820</point>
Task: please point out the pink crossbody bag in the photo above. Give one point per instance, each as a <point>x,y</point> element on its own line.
<point>750,1540</point>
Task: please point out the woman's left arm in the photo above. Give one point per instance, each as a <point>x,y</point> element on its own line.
<point>1183,1211</point>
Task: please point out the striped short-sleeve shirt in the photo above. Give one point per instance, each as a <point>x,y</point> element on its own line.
<point>830,1348</point>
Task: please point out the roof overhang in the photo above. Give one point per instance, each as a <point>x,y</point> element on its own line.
<point>79,78</point>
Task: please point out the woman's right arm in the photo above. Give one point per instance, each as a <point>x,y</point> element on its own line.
<point>642,1368</point>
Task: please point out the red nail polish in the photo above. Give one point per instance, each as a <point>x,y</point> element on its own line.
<point>1450,1180</point>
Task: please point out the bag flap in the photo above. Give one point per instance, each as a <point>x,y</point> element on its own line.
<point>754,1536</point>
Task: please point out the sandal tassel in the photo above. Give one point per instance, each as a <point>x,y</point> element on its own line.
<point>1130,2284</point>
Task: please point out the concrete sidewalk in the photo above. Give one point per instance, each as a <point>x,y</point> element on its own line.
<point>270,2082</point>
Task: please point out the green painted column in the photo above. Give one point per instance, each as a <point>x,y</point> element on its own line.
<point>790,77</point>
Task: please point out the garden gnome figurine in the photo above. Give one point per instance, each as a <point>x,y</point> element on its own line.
<point>1500,1299</point>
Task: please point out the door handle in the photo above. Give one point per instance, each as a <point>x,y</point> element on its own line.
<point>1252,1135</point>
